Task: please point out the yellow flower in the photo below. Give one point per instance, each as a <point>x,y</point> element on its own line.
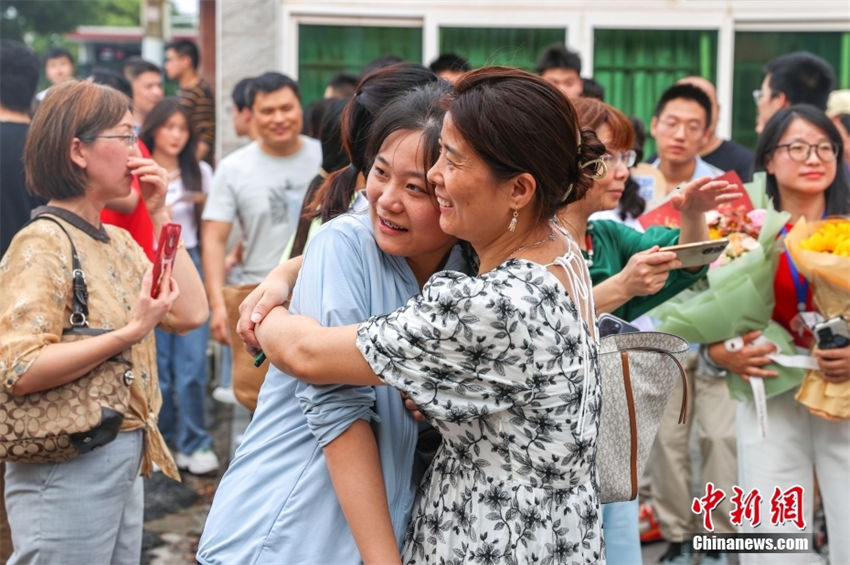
<point>831,237</point>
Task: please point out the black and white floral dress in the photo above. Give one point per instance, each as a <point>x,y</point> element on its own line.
<point>505,367</point>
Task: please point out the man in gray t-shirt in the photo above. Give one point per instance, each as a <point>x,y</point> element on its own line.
<point>261,185</point>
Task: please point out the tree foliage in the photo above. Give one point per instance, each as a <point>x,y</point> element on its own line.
<point>32,20</point>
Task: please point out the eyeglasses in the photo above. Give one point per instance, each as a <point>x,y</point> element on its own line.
<point>800,151</point>
<point>693,130</point>
<point>132,140</point>
<point>757,96</point>
<point>614,159</point>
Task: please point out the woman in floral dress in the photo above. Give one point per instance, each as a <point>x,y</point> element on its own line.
<point>504,364</point>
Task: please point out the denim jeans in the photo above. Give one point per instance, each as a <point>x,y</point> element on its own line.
<point>182,366</point>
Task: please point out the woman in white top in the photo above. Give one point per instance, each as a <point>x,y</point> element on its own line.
<point>181,359</point>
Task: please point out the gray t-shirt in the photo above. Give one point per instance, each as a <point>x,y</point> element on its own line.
<point>263,194</point>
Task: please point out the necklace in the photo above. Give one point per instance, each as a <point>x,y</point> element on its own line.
<point>550,237</point>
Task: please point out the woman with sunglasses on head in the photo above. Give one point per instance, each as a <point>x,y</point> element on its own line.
<point>80,153</point>
<point>800,150</point>
<point>630,275</point>
<point>504,363</point>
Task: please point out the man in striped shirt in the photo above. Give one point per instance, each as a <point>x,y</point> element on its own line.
<point>181,64</point>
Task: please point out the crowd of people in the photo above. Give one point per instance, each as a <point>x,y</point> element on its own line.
<point>425,253</point>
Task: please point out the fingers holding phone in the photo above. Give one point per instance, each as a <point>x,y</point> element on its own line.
<point>647,271</point>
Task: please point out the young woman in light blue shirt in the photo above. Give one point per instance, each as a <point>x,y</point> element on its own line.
<point>287,497</point>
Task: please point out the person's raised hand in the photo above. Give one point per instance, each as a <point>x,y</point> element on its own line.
<point>703,194</point>
<point>153,182</point>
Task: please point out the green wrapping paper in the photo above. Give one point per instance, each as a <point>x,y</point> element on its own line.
<point>736,298</point>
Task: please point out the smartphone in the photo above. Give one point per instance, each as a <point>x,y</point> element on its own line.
<point>698,253</point>
<point>609,324</point>
<point>169,238</point>
<point>832,333</point>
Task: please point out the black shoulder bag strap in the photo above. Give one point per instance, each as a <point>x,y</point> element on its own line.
<point>80,308</point>
<point>110,422</point>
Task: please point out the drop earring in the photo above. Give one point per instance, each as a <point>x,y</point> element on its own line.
<point>512,225</point>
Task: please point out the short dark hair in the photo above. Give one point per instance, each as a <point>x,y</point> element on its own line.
<point>72,109</point>
<point>837,196</point>
<point>344,84</point>
<point>134,66</point>
<point>20,75</point>
<point>270,82</point>
<point>184,48</point>
<point>592,89</point>
<point>519,123</point>
<point>379,62</point>
<point>58,53</point>
<point>687,92</point>
<point>449,62</point>
<point>239,94</point>
<point>102,75</point>
<point>557,56</point>
<point>803,77</point>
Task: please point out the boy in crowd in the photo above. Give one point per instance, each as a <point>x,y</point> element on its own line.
<point>795,78</point>
<point>562,68</point>
<point>58,67</point>
<point>449,67</point>
<point>146,86</point>
<point>181,64</point>
<point>681,127</point>
<point>724,154</point>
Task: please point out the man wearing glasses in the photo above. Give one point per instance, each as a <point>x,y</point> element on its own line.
<point>795,78</point>
<point>680,128</point>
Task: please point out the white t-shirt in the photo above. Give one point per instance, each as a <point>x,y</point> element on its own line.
<point>182,211</point>
<point>264,194</point>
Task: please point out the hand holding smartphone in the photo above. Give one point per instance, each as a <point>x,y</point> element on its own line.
<point>169,240</point>
<point>698,253</point>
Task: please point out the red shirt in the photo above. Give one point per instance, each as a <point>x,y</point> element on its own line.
<point>785,309</point>
<point>138,222</point>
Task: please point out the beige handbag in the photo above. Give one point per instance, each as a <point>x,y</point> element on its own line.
<point>639,372</point>
<point>61,423</point>
<point>247,379</point>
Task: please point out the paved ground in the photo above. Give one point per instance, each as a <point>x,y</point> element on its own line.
<point>175,512</point>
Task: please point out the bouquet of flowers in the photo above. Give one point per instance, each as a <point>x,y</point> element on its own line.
<point>737,294</point>
<point>821,253</point>
<point>740,226</point>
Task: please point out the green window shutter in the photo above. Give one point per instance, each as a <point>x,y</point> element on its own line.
<point>636,66</point>
<point>514,47</point>
<point>326,50</point>
<point>753,49</point>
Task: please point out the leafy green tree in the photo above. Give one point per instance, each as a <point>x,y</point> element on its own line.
<point>33,21</point>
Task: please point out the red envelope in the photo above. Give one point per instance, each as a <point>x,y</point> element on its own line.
<point>666,215</point>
